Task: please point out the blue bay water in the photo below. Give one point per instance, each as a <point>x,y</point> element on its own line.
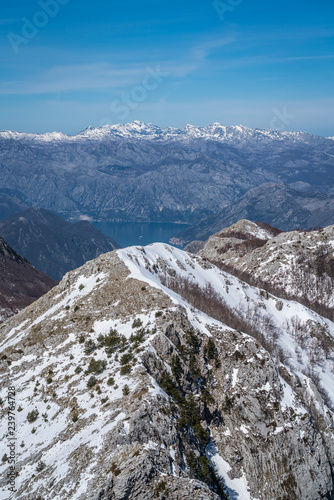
<point>140,233</point>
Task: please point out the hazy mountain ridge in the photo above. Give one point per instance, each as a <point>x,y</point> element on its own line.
<point>20,283</point>
<point>10,204</point>
<point>52,244</point>
<point>141,172</point>
<point>275,204</point>
<point>177,394</point>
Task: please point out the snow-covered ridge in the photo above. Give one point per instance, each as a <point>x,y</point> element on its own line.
<point>84,439</point>
<point>155,261</point>
<point>295,262</point>
<point>248,229</point>
<point>50,136</point>
<point>182,174</point>
<point>144,131</point>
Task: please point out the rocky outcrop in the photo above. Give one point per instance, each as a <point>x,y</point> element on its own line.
<point>194,246</point>
<point>125,390</point>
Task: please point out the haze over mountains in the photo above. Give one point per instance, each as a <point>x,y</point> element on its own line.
<point>140,172</point>
<point>52,244</point>
<point>10,204</point>
<point>275,204</point>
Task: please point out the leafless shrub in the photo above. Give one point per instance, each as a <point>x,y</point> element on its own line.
<point>322,284</point>
<point>314,376</point>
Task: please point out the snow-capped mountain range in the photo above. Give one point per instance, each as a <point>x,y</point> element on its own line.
<point>141,172</point>
<point>137,129</point>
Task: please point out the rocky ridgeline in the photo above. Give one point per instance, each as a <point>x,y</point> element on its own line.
<point>295,264</point>
<point>126,390</point>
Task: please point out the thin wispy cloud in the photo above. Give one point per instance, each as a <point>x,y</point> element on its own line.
<point>275,33</point>
<point>203,50</point>
<point>108,76</point>
<point>95,56</point>
<point>100,76</point>
<point>305,58</point>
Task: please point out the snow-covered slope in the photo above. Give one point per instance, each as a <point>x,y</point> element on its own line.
<point>298,264</point>
<point>246,230</point>
<point>280,318</point>
<point>125,390</point>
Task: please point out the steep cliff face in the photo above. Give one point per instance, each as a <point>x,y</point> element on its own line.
<point>296,264</point>
<point>20,282</point>
<point>125,389</point>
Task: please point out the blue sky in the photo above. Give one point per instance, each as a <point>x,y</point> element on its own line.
<point>68,64</point>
